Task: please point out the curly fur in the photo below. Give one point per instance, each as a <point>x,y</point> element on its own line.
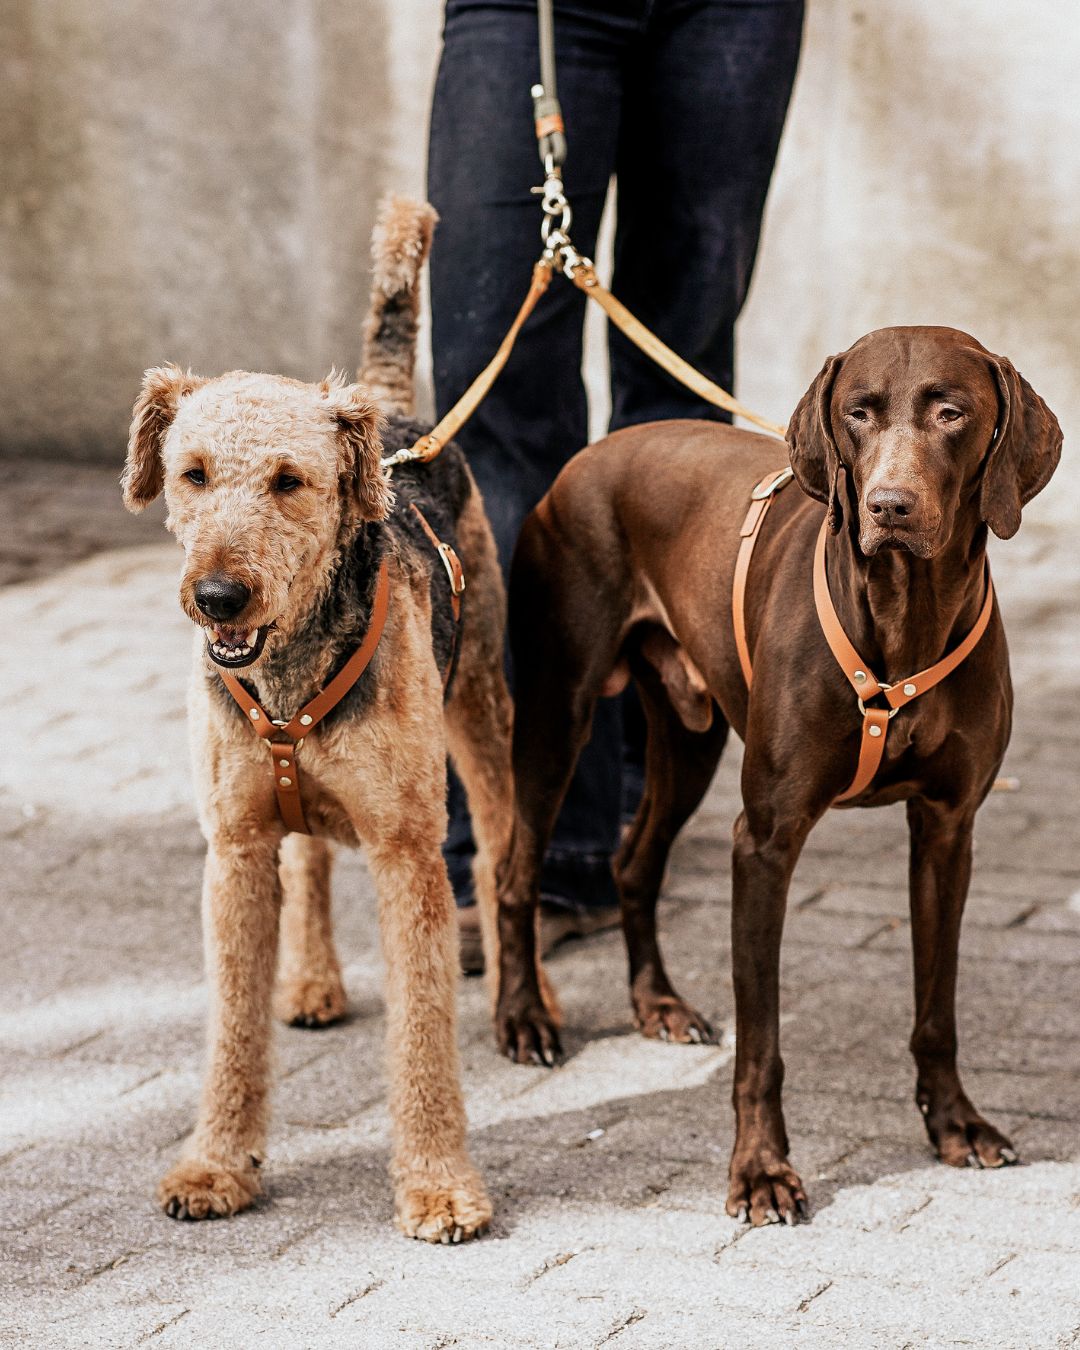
<point>374,772</point>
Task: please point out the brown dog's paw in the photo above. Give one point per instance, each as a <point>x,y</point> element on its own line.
<point>765,1191</point>
<point>528,1034</point>
<point>206,1190</point>
<point>962,1138</point>
<point>310,1002</point>
<point>668,1018</point>
<point>447,1211</point>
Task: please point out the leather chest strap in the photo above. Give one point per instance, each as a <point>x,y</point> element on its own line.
<point>862,679</point>
<point>285,741</point>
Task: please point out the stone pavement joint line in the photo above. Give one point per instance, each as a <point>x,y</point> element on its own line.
<point>608,1176</point>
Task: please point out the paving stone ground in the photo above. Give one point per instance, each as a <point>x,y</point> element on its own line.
<point>609,1174</point>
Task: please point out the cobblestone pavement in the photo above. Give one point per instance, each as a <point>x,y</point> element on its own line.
<point>609,1174</point>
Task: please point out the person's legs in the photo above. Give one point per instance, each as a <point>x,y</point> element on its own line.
<point>706,92</point>
<point>706,95</point>
<point>482,162</point>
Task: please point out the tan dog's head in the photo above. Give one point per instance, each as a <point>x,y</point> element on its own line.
<point>913,429</point>
<point>264,478</point>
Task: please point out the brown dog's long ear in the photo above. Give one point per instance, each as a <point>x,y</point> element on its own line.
<point>1024,454</point>
<point>815,459</point>
<point>144,473</point>
<point>365,483</point>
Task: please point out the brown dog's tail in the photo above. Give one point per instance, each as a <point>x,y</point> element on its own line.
<point>399,246</point>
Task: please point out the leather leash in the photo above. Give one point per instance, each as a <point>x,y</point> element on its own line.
<point>865,683</point>
<point>583,275</point>
<point>432,444</point>
<point>284,739</point>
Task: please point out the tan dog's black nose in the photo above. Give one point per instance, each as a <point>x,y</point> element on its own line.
<point>891,505</point>
<point>220,597</point>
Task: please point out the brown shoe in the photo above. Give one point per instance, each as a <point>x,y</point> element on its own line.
<point>558,924</point>
<point>470,941</point>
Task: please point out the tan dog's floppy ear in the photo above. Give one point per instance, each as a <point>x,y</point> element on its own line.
<point>144,473</point>
<point>365,483</point>
<point>1024,454</point>
<point>815,460</point>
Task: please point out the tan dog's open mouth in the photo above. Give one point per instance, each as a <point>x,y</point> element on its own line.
<point>233,647</point>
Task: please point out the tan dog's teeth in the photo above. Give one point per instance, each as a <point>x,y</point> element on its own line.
<point>251,637</point>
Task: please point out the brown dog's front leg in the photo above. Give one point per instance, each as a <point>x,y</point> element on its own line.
<point>940,874</point>
<point>218,1171</point>
<point>763,1186</point>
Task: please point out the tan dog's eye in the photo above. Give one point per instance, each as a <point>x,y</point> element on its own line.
<point>196,476</point>
<point>286,482</point>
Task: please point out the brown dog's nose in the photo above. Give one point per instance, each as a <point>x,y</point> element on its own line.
<point>891,505</point>
<point>220,597</point>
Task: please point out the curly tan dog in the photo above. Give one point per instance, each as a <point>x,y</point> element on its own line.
<point>276,490</point>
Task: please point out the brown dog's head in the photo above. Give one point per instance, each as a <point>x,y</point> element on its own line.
<point>264,478</point>
<point>909,426</point>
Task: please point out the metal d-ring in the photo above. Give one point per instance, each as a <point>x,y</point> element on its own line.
<point>862,705</point>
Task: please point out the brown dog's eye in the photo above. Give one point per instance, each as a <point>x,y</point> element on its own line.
<point>859,415</point>
<point>950,414</point>
<point>286,482</point>
<point>196,476</point>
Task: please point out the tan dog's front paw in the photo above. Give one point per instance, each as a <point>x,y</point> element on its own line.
<point>206,1190</point>
<point>310,1002</point>
<point>448,1211</point>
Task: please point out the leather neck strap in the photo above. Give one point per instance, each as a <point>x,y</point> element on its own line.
<point>285,740</point>
<point>859,675</point>
<point>865,682</point>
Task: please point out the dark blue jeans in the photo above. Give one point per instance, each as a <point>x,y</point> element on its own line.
<point>683,101</point>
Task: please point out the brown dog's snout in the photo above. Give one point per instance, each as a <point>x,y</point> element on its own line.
<point>890,505</point>
<point>221,597</point>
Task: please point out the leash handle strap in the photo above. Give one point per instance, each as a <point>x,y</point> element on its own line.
<point>285,741</point>
<point>866,684</point>
<point>584,276</point>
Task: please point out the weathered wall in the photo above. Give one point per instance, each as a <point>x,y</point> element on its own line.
<point>193,182</point>
<point>196,182</point>
<point>929,175</point>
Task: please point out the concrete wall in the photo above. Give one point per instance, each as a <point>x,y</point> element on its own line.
<point>196,182</point>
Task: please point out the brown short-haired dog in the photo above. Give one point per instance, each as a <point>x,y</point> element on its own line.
<point>909,445</point>
<point>276,490</point>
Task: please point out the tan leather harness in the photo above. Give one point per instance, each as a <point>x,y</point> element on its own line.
<point>866,685</point>
<point>284,739</point>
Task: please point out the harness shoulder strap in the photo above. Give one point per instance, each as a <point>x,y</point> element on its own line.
<point>456,573</point>
<point>760,500</point>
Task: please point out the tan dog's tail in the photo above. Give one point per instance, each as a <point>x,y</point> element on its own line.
<point>399,246</point>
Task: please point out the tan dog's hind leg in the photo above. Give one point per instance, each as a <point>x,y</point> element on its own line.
<point>218,1171</point>
<point>479,719</point>
<point>310,992</point>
